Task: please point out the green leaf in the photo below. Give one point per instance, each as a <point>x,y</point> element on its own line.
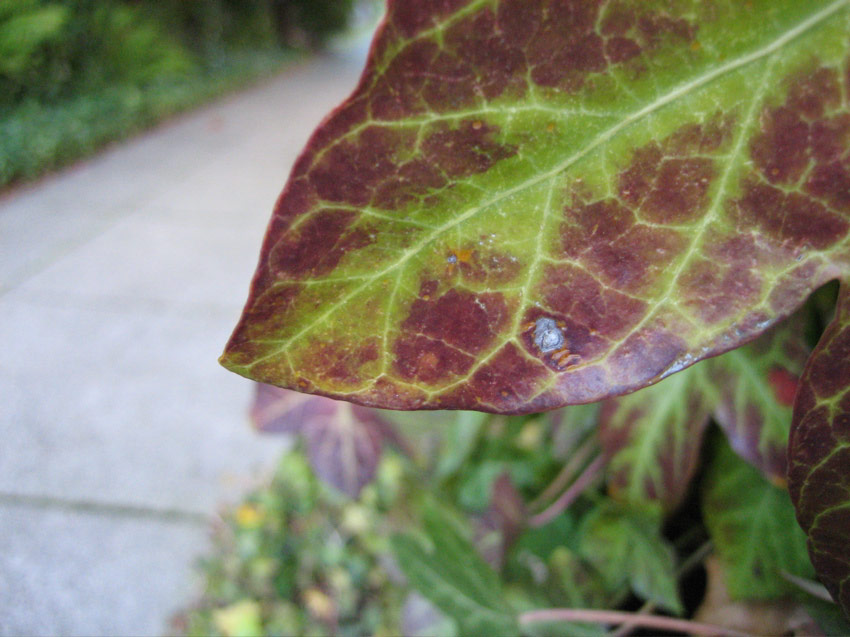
<point>444,567</point>
<point>653,438</point>
<point>819,454</point>
<point>828,617</point>
<point>752,525</point>
<point>625,545</point>
<point>24,31</point>
<point>756,386</point>
<point>531,203</point>
<point>459,441</point>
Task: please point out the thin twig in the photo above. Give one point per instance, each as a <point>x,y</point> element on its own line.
<point>695,559</point>
<point>656,622</point>
<point>566,474</point>
<point>581,483</point>
<point>815,589</point>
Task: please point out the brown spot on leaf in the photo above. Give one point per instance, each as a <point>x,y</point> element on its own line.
<point>463,320</point>
<point>812,93</point>
<point>621,49</point>
<point>397,93</point>
<point>366,170</point>
<point>780,151</point>
<point>634,261</point>
<point>351,170</point>
<point>590,312</point>
<point>795,131</point>
<point>618,20</point>
<point>714,291</point>
<point>298,198</point>
<point>509,378</point>
<point>339,363</point>
<point>449,84</point>
<point>492,267</point>
<point>477,44</point>
<point>647,353</point>
<point>626,255</point>
<point>590,226</point>
<point>657,26</point>
<point>262,316</point>
<point>665,182</point>
<point>519,21</point>
<point>412,17</point>
<point>637,180</point>
<point>831,183</point>
<point>829,137</point>
<point>346,117</point>
<point>316,247</point>
<point>428,360</point>
<point>441,335</point>
<point>789,218</point>
<point>413,179</point>
<point>465,150</point>
<point>679,191</point>
<point>489,52</point>
<point>427,289</point>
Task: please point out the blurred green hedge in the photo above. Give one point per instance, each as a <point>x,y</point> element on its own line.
<point>76,73</point>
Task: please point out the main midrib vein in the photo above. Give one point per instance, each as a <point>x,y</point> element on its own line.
<point>673,95</point>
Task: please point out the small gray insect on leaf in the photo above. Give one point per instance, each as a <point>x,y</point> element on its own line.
<point>547,335</point>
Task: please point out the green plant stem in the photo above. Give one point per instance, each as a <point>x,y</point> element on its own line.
<point>590,473</point>
<point>655,622</point>
<point>576,460</point>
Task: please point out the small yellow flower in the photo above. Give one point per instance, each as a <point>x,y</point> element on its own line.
<point>241,619</point>
<point>248,515</point>
<point>319,604</point>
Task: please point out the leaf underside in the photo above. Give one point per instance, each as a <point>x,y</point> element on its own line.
<point>819,455</point>
<point>532,203</point>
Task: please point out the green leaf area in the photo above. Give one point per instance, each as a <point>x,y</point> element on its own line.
<point>752,525</point>
<point>532,203</point>
<point>819,455</point>
<point>445,567</point>
<point>626,546</point>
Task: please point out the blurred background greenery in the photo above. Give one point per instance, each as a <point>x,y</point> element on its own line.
<point>75,74</point>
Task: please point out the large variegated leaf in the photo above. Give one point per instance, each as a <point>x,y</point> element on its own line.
<point>530,203</point>
<point>819,455</point>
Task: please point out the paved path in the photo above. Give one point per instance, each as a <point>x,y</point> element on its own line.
<point>120,280</point>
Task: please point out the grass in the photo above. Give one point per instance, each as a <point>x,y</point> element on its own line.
<point>36,137</point>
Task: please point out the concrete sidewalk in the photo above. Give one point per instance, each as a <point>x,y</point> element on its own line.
<point>120,280</point>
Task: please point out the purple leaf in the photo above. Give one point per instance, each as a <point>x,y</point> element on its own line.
<point>819,454</point>
<point>344,450</point>
<point>756,385</point>
<point>502,522</point>
<point>344,441</point>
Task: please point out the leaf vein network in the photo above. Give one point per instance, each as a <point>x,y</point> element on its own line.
<point>661,101</point>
